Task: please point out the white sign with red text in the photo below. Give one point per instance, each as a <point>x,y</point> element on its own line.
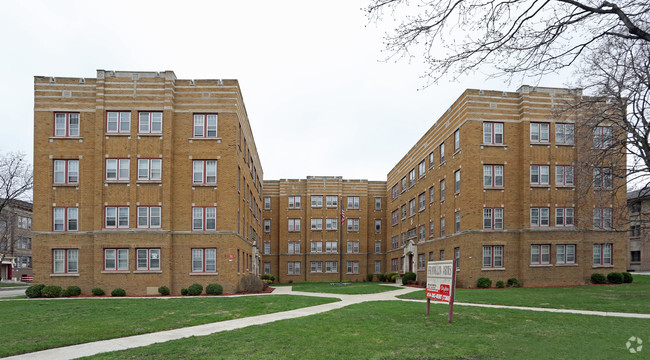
<point>440,276</point>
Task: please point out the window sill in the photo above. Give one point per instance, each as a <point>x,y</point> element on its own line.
<point>65,275</point>
<point>118,134</point>
<point>116,182</point>
<point>494,188</point>
<point>65,185</point>
<point>540,143</point>
<point>65,138</point>
<point>116,272</point>
<point>566,265</point>
<point>151,135</point>
<point>540,265</point>
<point>540,186</point>
<point>602,266</point>
<point>492,269</point>
<point>565,186</point>
<point>204,185</point>
<point>495,145</point>
<point>148,182</point>
<point>147,272</point>
<point>204,138</point>
<point>203,273</point>
<point>564,144</point>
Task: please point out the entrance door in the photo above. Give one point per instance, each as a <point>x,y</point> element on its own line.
<point>410,262</point>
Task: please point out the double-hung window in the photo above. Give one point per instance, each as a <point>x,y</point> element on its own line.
<point>377,226</point>
<point>316,266</point>
<point>403,210</point>
<point>316,224</point>
<point>118,122</point>
<point>317,201</point>
<point>116,259</point>
<point>353,247</point>
<point>565,254</point>
<point>421,169</point>
<point>431,159</point>
<point>563,175</point>
<point>293,268</point>
<point>564,216</point>
<point>148,217</point>
<point>66,124</point>
<point>316,246</point>
<point>353,267</point>
<point>331,246</point>
<point>65,261</point>
<point>540,254</point>
<point>353,202</point>
<point>421,233</point>
<point>294,247</point>
<point>403,184</point>
<point>267,225</point>
<point>422,198</point>
<point>539,132</point>
<point>539,174</point>
<point>66,172</point>
<point>331,266</point>
<point>267,202</point>
<point>294,225</point>
<point>205,125</point>
<point>492,256</point>
<point>493,218</point>
<point>603,218</point>
<point>564,134</point>
<point>204,218</point>
<point>394,217</point>
<point>150,122</point>
<point>431,194</point>
<point>602,137</point>
<point>331,224</point>
<point>539,216</point>
<point>353,224</point>
<point>442,190</point>
<point>603,254</point>
<point>493,176</point>
<point>150,169</point>
<point>204,260</point>
<point>493,133</point>
<point>457,181</point>
<point>395,191</point>
<point>117,169</point>
<point>411,177</point>
<point>442,153</point>
<point>148,259</point>
<point>412,207</point>
<point>456,140</point>
<point>204,172</point>
<point>457,222</point>
<point>65,219</point>
<point>442,226</point>
<point>331,201</point>
<point>116,217</point>
<point>603,178</point>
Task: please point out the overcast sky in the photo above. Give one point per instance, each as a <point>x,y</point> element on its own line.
<point>319,98</point>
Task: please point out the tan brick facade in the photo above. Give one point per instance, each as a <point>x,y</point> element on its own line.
<point>91,165</point>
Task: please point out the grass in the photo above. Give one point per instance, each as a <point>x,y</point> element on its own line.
<point>5,285</point>
<point>350,289</point>
<point>34,325</point>
<point>400,330</point>
<point>631,298</point>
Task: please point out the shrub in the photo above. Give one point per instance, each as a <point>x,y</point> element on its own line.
<point>163,290</point>
<point>265,277</point>
<point>214,289</point>
<point>513,282</point>
<point>408,278</point>
<point>501,284</point>
<point>51,291</point>
<point>381,277</point>
<point>183,291</point>
<point>483,283</point>
<point>74,290</point>
<point>598,278</point>
<point>98,292</point>
<point>394,277</point>
<point>627,277</point>
<point>118,292</point>
<point>65,293</point>
<point>369,277</point>
<point>195,289</point>
<point>615,278</point>
<point>34,291</point>
<point>250,283</point>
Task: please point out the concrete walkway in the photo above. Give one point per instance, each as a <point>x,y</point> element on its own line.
<point>88,349</point>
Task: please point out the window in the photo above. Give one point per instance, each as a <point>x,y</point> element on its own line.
<point>316,266</point>
<point>421,233</point>
<point>539,217</point>
<point>635,230</point>
<point>331,266</point>
<point>442,226</point>
<point>403,212</point>
<point>457,222</point>
<point>294,247</point>
<point>116,217</point>
<point>603,218</point>
<point>204,172</point>
<point>150,170</point>
<point>635,256</point>
<point>23,262</point>
<point>331,201</point>
<point>492,133</point>
<point>539,175</point>
<point>431,193</point>
<point>353,267</point>
<point>602,178</point>
<point>353,247</point>
<point>431,228</point>
<point>412,207</point>
<point>331,224</point>
<point>317,224</point>
<point>540,254</point>
<point>293,268</point>
<point>421,261</point>
<point>377,225</point>
<point>493,176</point>
<point>421,169</point>
<point>431,159</point>
<point>267,247</point>
<point>563,175</point>
<point>150,122</point>
<point>66,219</point>
<point>393,265</point>
<point>118,122</point>
<point>603,254</point>
<point>442,190</point>
<point>331,246</point>
<point>377,266</point>
<point>267,225</point>
<point>377,246</point>
<point>457,181</point>
<point>456,140</point>
<point>403,184</point>
<point>117,169</point>
<point>267,202</point>
<point>412,233</point>
<point>457,257</point>
<point>66,124</point>
<point>294,225</point>
<point>430,255</point>
<point>442,153</point>
<point>422,198</point>
<point>116,259</point>
<point>353,224</point>
<point>23,222</point>
<point>294,202</point>
<point>564,134</point>
<point>565,254</point>
<point>564,216</point>
<point>267,267</point>
<point>602,137</point>
<point>205,125</point>
<point>204,260</point>
<point>66,171</point>
<point>395,191</point>
<point>411,177</point>
<point>442,255</point>
<point>148,217</point>
<point>394,217</point>
<point>353,202</point>
<point>204,218</point>
<point>24,243</point>
<point>394,242</point>
<point>539,132</point>
<point>316,201</point>
<point>65,261</point>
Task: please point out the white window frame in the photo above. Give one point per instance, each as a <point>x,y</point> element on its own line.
<point>564,175</point>
<point>293,247</point>
<point>603,218</point>
<point>563,256</point>
<point>267,225</point>
<point>603,254</point>
<point>204,172</point>
<point>353,225</point>
<point>491,133</point>
<point>294,225</point>
<point>316,266</point>
<point>331,266</point>
<point>118,169</point>
<point>353,202</point>
<point>204,218</point>
<point>204,260</point>
<point>116,259</point>
<point>540,254</point>
<point>150,258</point>
<point>603,178</point>
<point>65,261</point>
<point>148,120</point>
<point>539,133</point>
<point>421,169</point>
<point>331,246</point>
<point>353,247</point>
<point>564,134</point>
<point>293,268</point>
<point>118,122</point>
<point>65,219</point>
<point>119,215</point>
<point>205,126</point>
<point>537,216</point>
<point>564,216</point>
<point>493,176</point>
<point>442,190</point>
<point>331,224</point>
<point>377,226</point>
<point>352,267</point>
<point>539,175</point>
<point>67,124</point>
<point>67,172</point>
<point>267,203</point>
<point>457,182</point>
<point>149,217</point>
<point>317,201</point>
<point>493,216</point>
<point>442,153</point>
<point>316,224</point>
<point>456,140</point>
<point>149,169</point>
<point>294,202</point>
<point>331,201</point>
<point>603,137</point>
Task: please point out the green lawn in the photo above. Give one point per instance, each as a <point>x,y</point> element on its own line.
<point>4,285</point>
<point>632,298</point>
<point>400,330</point>
<point>43,324</point>
<point>350,289</point>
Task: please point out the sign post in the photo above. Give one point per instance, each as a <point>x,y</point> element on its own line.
<point>441,283</point>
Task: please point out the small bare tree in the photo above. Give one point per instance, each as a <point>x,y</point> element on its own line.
<point>16,182</point>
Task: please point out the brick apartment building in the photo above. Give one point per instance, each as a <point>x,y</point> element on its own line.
<point>16,241</point>
<point>496,183</point>
<point>638,203</point>
<point>143,180</point>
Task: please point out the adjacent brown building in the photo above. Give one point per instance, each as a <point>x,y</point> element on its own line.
<point>638,203</point>
<point>16,241</point>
